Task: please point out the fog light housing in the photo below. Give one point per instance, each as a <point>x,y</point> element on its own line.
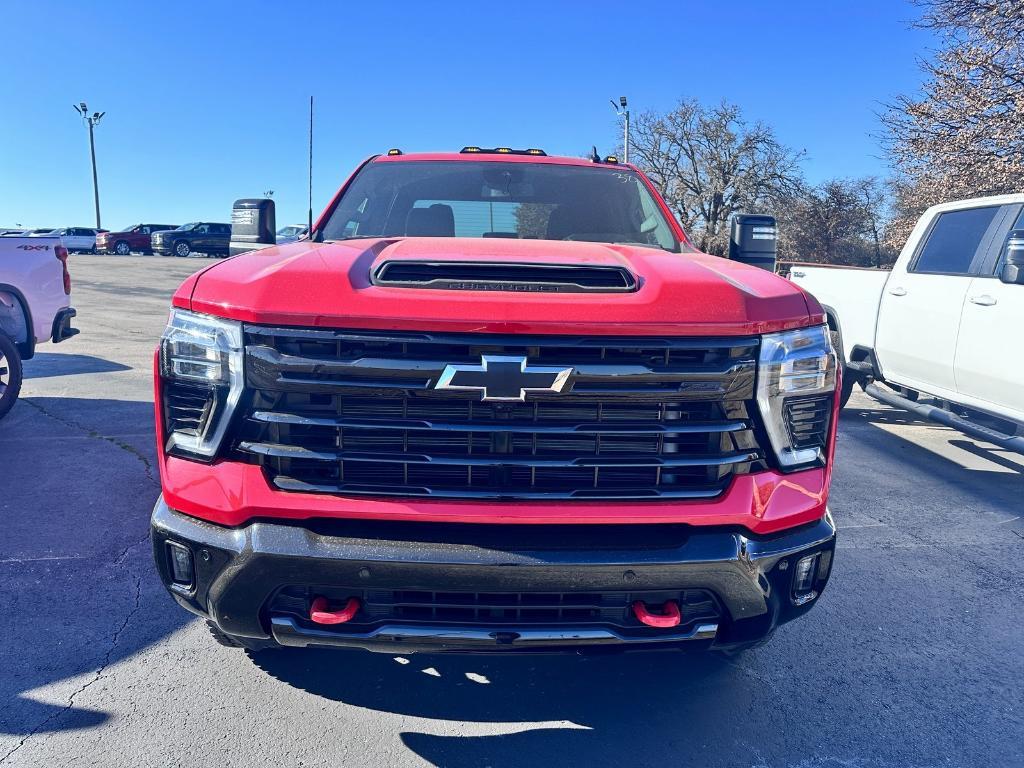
<point>182,566</point>
<point>804,576</point>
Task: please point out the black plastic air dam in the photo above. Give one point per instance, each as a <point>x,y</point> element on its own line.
<point>240,570</point>
<point>500,276</point>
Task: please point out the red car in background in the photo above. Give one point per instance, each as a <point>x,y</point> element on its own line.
<point>135,238</point>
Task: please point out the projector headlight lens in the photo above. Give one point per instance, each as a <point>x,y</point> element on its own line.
<point>201,367</point>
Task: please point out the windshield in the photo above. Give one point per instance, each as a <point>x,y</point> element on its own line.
<point>530,201</point>
<point>289,231</point>
<point>187,227</point>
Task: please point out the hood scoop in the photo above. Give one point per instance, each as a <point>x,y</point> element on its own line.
<point>502,276</point>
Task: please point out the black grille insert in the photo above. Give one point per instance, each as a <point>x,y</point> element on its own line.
<point>186,407</point>
<point>496,609</point>
<point>808,420</point>
<point>356,413</point>
<point>498,276</point>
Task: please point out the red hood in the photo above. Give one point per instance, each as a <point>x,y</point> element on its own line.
<point>328,285</point>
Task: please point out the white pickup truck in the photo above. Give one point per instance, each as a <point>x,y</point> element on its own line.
<point>945,322</point>
<point>35,299</point>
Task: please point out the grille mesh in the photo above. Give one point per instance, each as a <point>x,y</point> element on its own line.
<point>356,413</point>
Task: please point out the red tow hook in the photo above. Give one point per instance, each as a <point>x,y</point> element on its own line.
<point>319,614</point>
<point>669,616</point>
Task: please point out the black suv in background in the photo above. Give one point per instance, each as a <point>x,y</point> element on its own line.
<point>200,236</point>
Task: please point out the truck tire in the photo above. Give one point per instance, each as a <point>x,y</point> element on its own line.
<point>182,249</point>
<point>10,373</point>
<point>230,641</point>
<point>848,375</point>
<point>121,248</point>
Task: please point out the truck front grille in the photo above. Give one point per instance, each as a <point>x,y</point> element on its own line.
<point>356,413</point>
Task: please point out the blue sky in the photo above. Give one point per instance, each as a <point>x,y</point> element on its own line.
<point>207,102</point>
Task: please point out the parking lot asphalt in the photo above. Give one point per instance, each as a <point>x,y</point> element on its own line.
<point>914,656</point>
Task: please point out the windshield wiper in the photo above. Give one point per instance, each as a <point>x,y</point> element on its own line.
<point>644,245</point>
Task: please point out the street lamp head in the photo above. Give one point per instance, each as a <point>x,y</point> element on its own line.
<point>82,108</point>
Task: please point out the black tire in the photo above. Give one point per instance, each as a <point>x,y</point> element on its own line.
<point>735,651</point>
<point>121,248</point>
<point>222,639</point>
<point>849,377</point>
<point>230,641</point>
<point>10,373</point>
<point>182,249</point>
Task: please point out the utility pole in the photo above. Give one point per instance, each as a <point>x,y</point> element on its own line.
<point>623,111</point>
<point>309,221</point>
<point>92,120</point>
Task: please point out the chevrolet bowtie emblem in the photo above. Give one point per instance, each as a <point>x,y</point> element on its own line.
<point>504,378</point>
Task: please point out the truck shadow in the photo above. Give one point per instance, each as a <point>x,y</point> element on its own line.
<point>52,364</point>
<point>78,590</point>
<point>651,708</point>
<point>991,485</point>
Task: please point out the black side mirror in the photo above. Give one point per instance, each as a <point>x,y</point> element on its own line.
<point>253,225</point>
<point>753,240</point>
<point>1012,270</point>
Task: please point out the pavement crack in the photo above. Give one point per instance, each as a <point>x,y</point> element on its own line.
<point>96,676</point>
<point>147,465</point>
<point>124,552</point>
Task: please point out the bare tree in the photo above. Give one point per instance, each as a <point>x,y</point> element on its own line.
<point>836,222</point>
<point>964,136</point>
<point>709,163</point>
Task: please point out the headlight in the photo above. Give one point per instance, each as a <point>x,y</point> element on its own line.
<point>796,382</point>
<point>201,368</point>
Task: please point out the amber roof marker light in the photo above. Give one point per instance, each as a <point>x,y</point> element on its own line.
<point>502,151</point>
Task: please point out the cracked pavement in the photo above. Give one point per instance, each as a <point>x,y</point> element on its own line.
<point>912,658</point>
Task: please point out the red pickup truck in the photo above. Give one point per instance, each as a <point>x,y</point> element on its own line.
<point>495,402</point>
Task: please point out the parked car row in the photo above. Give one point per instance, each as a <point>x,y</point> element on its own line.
<point>207,237</point>
<point>74,239</point>
<point>136,238</point>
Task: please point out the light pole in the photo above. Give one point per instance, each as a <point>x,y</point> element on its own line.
<point>622,110</point>
<point>93,120</point>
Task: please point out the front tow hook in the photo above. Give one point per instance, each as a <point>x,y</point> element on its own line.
<point>319,614</point>
<point>668,618</point>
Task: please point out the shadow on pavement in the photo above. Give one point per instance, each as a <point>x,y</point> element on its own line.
<point>78,591</point>
<point>657,708</point>
<point>1000,485</point>
<point>50,364</point>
